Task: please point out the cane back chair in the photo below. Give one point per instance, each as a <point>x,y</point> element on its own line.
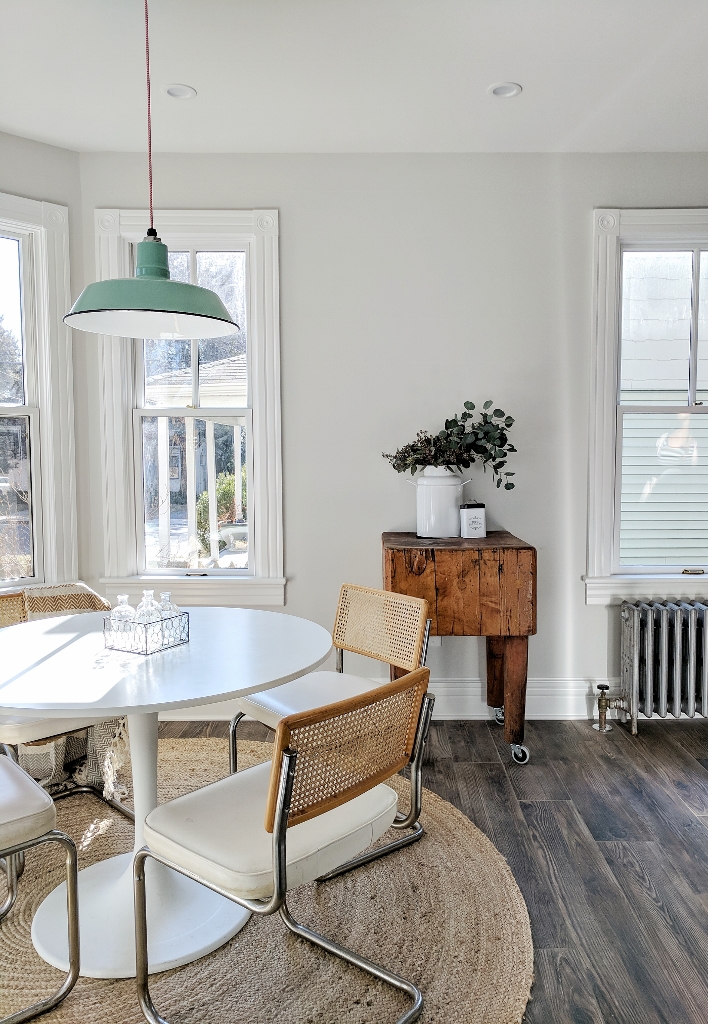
<point>389,627</point>
<point>27,819</point>
<point>325,783</point>
<point>39,603</point>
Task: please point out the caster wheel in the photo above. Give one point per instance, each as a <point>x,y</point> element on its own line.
<point>499,716</point>
<point>520,753</point>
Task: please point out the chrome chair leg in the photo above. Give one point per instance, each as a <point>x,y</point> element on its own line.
<point>9,751</point>
<point>358,961</point>
<point>72,909</point>
<point>95,791</point>
<point>9,865</point>
<point>233,751</point>
<point>401,821</point>
<point>142,968</point>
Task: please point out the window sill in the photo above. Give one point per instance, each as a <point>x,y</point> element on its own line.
<point>226,592</point>
<point>607,590</point>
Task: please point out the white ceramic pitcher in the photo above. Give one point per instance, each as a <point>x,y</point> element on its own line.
<point>438,502</point>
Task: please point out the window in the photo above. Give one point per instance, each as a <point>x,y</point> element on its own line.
<point>195,429</point>
<point>192,445</point>
<point>17,424</point>
<point>37,506</point>
<point>648,507</point>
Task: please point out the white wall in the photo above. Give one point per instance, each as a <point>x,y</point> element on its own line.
<point>410,283</point>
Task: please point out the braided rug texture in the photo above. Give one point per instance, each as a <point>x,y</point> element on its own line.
<point>444,912</point>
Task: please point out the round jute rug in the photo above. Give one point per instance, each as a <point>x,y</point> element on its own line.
<point>444,912</point>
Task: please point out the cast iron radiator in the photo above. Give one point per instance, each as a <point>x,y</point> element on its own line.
<point>664,659</point>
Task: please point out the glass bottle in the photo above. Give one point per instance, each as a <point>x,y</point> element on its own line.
<point>122,615</point>
<point>167,608</point>
<point>148,610</point>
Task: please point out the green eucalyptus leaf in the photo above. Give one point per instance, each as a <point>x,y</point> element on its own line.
<point>499,414</point>
<point>508,486</point>
<point>488,404</point>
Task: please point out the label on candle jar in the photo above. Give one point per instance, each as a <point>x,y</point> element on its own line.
<point>473,519</point>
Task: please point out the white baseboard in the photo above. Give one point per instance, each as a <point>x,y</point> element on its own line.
<point>457,699</point>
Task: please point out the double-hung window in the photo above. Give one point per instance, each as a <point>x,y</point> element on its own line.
<point>194,433</point>
<point>192,441</point>
<point>649,460</point>
<point>37,490</point>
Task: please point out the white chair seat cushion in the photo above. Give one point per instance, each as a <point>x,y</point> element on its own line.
<point>303,694</point>
<point>26,810</point>
<point>218,833</point>
<point>14,729</point>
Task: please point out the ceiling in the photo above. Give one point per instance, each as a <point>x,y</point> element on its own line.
<point>359,75</point>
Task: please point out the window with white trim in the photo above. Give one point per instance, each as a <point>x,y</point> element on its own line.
<point>194,433</point>
<point>37,492</point>
<point>648,507</point>
<point>191,429</point>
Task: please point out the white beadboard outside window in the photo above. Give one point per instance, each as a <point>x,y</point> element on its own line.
<point>648,481</point>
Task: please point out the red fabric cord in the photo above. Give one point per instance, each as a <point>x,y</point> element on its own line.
<point>149,119</point>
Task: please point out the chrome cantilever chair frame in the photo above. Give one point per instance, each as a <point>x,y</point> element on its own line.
<point>402,822</point>
<point>11,856</point>
<point>9,751</point>
<point>276,904</point>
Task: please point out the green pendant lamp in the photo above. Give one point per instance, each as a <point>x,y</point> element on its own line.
<point>150,305</point>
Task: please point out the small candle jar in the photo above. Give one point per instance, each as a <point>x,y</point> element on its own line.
<point>473,519</point>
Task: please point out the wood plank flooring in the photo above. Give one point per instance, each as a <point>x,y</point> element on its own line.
<point>607,837</point>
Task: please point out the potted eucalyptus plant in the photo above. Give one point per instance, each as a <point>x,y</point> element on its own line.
<point>442,457</point>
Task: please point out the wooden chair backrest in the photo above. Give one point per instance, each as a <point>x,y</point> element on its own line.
<point>380,624</point>
<point>12,609</point>
<point>347,748</point>
<point>44,602</point>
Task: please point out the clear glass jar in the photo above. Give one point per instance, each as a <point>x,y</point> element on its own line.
<point>122,612</point>
<point>167,608</point>
<point>148,610</point>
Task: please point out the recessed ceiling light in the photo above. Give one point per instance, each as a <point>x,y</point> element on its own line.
<point>181,92</point>
<point>505,90</point>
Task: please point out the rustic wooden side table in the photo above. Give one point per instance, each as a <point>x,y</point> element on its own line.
<point>484,586</point>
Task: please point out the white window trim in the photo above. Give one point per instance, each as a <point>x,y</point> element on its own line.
<point>257,231</point>
<point>612,229</point>
<point>47,298</point>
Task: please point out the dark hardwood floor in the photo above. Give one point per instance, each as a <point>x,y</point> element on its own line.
<point>607,837</point>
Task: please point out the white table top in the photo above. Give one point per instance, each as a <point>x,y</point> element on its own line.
<point>60,665</point>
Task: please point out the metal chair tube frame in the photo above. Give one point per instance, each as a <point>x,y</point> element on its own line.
<point>277,903</point>
<point>72,909</point>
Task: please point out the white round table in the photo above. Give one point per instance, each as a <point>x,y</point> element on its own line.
<point>60,668</point>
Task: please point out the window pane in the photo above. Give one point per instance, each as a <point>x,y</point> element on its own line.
<point>664,504</point>
<point>222,361</point>
<point>185,462</point>
<point>15,503</point>
<point>702,379</point>
<point>168,367</point>
<point>656,325</point>
<point>179,266</point>
<point>12,386</point>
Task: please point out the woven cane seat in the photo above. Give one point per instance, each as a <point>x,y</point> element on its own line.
<point>310,691</point>
<point>26,810</point>
<point>218,833</point>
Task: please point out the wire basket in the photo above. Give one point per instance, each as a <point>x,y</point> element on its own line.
<point>146,637</point>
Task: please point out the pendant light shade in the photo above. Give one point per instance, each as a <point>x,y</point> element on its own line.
<point>150,305</point>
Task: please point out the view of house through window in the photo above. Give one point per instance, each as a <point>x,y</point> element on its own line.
<point>662,422</point>
<point>16,528</point>
<point>194,430</point>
